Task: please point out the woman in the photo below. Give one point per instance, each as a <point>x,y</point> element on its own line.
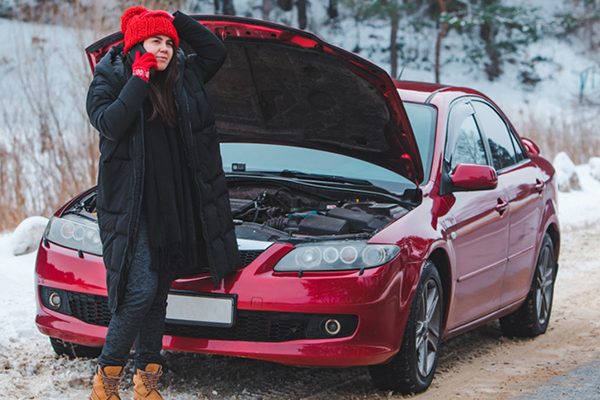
<point>162,201</point>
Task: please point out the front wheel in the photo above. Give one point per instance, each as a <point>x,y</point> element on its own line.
<point>412,369</point>
<point>73,350</point>
<point>531,319</point>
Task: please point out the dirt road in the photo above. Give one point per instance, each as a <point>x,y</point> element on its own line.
<point>479,365</point>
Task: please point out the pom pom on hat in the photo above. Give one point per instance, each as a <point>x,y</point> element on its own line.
<point>130,13</point>
<point>139,23</point>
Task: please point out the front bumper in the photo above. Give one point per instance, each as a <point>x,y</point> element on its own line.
<point>372,300</point>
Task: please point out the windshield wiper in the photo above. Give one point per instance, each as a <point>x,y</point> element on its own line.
<point>288,173</point>
<point>362,185</point>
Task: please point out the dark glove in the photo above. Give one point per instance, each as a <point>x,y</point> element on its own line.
<point>142,65</point>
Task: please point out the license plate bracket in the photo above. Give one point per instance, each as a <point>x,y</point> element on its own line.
<point>202,309</point>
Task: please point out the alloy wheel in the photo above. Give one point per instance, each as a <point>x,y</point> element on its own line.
<point>428,327</point>
<point>544,285</point>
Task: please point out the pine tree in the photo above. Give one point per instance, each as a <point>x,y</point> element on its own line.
<point>581,18</point>
<point>492,33</point>
<point>390,11</point>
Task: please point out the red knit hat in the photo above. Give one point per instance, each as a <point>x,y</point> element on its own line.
<point>139,23</point>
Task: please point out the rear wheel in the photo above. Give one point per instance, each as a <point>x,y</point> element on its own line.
<point>73,350</point>
<point>412,369</point>
<point>532,318</point>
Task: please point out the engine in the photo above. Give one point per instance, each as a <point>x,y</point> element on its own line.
<point>295,213</point>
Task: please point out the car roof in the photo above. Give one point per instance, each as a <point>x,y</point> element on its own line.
<point>423,92</point>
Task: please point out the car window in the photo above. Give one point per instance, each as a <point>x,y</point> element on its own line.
<point>468,145</point>
<point>519,153</point>
<point>498,136</point>
<point>422,120</point>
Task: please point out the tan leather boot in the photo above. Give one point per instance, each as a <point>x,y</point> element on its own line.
<point>145,383</point>
<point>106,383</point>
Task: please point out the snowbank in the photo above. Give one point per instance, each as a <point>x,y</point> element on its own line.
<point>566,173</point>
<point>580,208</point>
<point>17,298</point>
<point>595,167</point>
<point>27,235</point>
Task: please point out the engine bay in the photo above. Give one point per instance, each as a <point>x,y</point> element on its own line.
<point>286,212</point>
<point>272,211</point>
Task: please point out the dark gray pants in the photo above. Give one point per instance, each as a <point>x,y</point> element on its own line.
<point>140,317</point>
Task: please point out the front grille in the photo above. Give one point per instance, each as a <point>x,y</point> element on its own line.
<point>249,325</point>
<point>247,256</point>
<point>89,308</point>
<point>256,326</point>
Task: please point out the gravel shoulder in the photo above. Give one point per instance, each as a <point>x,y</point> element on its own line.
<point>481,364</point>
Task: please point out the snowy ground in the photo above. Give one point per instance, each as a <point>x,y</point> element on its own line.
<point>481,364</point>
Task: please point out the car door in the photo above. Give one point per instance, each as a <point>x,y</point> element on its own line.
<point>478,228</point>
<point>524,187</point>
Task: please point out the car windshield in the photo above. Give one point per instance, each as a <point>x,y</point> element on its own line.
<point>260,157</point>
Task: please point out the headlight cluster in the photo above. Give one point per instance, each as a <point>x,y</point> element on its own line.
<point>336,256</point>
<point>74,232</point>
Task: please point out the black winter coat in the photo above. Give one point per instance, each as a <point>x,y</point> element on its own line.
<point>114,106</point>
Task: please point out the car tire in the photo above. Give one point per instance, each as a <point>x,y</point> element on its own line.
<point>73,350</point>
<point>531,319</point>
<point>409,371</point>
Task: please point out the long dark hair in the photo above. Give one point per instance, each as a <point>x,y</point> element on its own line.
<point>162,85</point>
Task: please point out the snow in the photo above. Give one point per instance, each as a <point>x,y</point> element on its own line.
<point>17,299</point>
<point>595,167</point>
<point>28,234</point>
<point>579,208</point>
<point>39,66</point>
<point>566,173</point>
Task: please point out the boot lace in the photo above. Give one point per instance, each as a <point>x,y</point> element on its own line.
<point>150,379</point>
<point>111,384</point>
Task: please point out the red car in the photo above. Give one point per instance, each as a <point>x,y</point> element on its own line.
<point>376,218</point>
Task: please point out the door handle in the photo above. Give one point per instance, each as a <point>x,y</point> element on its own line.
<point>539,185</point>
<point>501,206</point>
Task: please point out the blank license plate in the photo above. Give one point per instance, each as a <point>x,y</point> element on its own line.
<point>200,310</point>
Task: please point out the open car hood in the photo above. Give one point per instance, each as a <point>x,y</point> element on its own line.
<point>286,86</point>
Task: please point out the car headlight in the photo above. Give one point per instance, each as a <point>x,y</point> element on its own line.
<point>336,256</point>
<point>74,232</point>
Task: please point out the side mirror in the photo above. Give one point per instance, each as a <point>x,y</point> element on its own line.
<point>530,146</point>
<point>474,177</point>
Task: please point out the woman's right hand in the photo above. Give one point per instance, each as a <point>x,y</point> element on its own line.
<point>143,64</point>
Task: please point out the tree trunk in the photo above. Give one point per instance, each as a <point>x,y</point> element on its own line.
<point>285,5</point>
<point>302,20</point>
<point>332,10</point>
<point>228,7</point>
<point>266,9</point>
<point>487,33</point>
<point>394,18</point>
<point>442,31</point>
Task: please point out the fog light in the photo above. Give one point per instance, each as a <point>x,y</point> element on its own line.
<point>54,300</point>
<point>333,326</point>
